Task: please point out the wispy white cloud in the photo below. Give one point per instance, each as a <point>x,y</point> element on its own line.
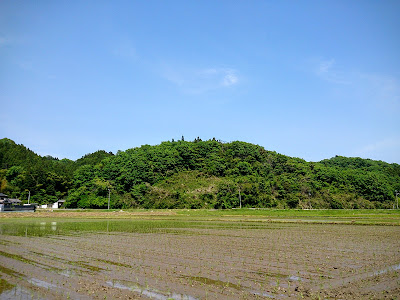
<point>383,90</point>
<point>125,49</point>
<point>388,148</point>
<point>172,75</point>
<point>196,81</point>
<point>230,79</point>
<point>324,66</point>
<point>328,70</point>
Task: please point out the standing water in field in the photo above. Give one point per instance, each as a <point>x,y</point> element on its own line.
<point>196,258</point>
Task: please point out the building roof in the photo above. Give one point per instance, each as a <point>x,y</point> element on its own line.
<point>8,200</point>
<point>14,200</point>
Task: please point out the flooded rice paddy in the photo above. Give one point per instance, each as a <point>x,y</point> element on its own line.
<point>173,258</point>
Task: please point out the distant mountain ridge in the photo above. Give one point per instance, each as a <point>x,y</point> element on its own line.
<point>197,174</point>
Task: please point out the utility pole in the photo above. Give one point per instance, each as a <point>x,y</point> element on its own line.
<point>397,199</point>
<point>240,199</point>
<point>29,196</point>
<point>109,191</point>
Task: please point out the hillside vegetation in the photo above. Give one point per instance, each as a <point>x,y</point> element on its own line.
<point>198,174</point>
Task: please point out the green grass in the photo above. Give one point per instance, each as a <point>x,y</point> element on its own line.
<point>5,286</point>
<point>347,216</point>
<point>172,218</point>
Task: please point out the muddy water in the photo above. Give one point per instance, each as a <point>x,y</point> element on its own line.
<point>172,259</point>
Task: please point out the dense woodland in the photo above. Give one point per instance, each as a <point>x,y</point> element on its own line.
<point>197,174</point>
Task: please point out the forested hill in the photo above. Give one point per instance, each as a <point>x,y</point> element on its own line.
<point>198,174</point>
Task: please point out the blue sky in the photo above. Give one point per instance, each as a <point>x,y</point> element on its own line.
<point>310,79</point>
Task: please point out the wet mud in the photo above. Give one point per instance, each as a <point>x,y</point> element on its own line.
<point>261,261</point>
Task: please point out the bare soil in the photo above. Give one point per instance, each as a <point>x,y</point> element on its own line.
<point>316,261</point>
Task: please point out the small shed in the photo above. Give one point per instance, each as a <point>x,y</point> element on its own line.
<point>58,204</point>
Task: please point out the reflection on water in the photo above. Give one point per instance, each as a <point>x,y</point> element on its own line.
<point>43,228</point>
<point>294,278</point>
<point>268,295</point>
<point>151,293</point>
<point>17,293</point>
<point>52,224</point>
<point>42,225</point>
<point>41,283</point>
<point>76,226</point>
<point>388,269</point>
<point>67,273</point>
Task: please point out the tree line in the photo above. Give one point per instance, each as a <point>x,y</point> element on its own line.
<point>197,174</point>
